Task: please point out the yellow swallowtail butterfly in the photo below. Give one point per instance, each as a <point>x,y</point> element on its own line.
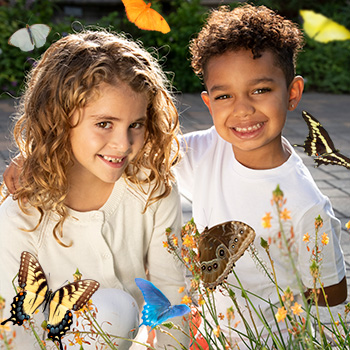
<point>319,144</point>
<point>35,291</point>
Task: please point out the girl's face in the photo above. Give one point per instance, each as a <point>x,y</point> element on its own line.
<point>109,133</point>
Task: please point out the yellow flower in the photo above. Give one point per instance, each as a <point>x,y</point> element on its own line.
<point>325,239</point>
<point>306,238</point>
<point>181,289</point>
<point>186,300</point>
<point>266,221</point>
<point>347,225</point>
<point>297,310</point>
<point>285,215</point>
<point>201,300</point>
<point>217,331</point>
<point>281,314</point>
<point>165,244</point>
<point>175,240</point>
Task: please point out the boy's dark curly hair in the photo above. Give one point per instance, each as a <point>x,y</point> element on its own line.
<point>254,28</point>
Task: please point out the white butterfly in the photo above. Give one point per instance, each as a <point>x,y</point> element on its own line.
<point>29,37</point>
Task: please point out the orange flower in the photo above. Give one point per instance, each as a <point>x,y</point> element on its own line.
<point>188,241</point>
<point>165,244</point>
<point>181,289</point>
<point>175,240</point>
<point>221,316</point>
<point>285,215</point>
<point>6,327</point>
<point>297,310</point>
<point>266,220</point>
<point>325,239</point>
<point>347,225</point>
<point>306,238</point>
<point>186,300</point>
<point>281,314</point>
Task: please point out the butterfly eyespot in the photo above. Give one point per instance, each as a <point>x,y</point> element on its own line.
<point>215,266</point>
<point>241,231</point>
<point>236,240</point>
<point>203,268</point>
<point>221,253</point>
<point>233,246</point>
<point>209,268</point>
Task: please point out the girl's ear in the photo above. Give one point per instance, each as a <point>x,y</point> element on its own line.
<point>295,92</point>
<point>206,99</point>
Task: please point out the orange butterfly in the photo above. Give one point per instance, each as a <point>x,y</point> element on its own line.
<point>144,17</point>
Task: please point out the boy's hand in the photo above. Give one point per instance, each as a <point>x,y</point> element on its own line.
<point>11,175</point>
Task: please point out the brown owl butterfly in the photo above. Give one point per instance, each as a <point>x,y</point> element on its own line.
<point>220,247</point>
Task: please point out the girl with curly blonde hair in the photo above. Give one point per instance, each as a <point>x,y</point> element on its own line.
<point>96,132</point>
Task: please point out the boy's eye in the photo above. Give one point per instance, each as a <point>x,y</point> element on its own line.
<point>222,97</point>
<point>261,91</point>
<point>104,125</point>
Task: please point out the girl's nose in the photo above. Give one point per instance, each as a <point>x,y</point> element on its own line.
<point>121,141</point>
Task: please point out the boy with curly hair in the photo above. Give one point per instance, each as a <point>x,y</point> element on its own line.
<point>246,58</point>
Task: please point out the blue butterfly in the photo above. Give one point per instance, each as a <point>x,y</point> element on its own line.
<point>157,307</point>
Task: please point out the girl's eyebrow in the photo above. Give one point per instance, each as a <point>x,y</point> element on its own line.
<point>109,118</point>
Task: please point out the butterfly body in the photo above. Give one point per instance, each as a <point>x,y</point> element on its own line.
<point>144,17</point>
<point>35,292</point>
<point>220,247</point>
<point>157,308</point>
<point>29,37</point>
<point>319,144</point>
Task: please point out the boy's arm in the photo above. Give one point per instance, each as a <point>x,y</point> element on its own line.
<point>11,174</point>
<point>335,294</point>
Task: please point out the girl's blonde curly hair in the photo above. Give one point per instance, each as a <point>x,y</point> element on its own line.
<point>68,74</point>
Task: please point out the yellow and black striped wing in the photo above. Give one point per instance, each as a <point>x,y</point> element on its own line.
<point>34,289</point>
<point>319,144</point>
<point>70,297</point>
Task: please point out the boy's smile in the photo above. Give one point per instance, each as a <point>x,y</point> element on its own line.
<point>248,100</point>
<point>109,133</point>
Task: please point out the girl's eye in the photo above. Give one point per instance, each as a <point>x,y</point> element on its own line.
<point>136,125</point>
<point>104,125</point>
<point>261,91</point>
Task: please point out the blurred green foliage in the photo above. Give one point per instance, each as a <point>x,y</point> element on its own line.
<point>326,67</point>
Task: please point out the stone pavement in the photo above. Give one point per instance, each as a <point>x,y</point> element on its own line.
<point>333,111</point>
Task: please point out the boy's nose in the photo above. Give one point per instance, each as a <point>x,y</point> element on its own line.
<point>242,107</point>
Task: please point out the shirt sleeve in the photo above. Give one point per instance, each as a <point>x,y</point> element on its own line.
<point>330,257</point>
<point>169,275</point>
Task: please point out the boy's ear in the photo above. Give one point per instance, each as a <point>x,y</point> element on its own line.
<point>206,99</point>
<point>295,92</point>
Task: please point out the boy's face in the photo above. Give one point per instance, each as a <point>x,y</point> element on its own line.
<point>248,100</point>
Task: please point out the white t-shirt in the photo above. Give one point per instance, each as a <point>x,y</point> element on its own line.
<point>222,189</point>
<point>112,245</point>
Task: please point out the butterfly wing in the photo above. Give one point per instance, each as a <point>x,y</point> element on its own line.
<point>144,17</point>
<point>32,281</point>
<point>220,247</point>
<point>21,38</point>
<point>39,34</point>
<point>323,29</point>
<point>319,144</point>
<point>72,296</point>
<point>156,303</point>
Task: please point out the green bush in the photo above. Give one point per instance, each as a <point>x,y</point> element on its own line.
<point>325,66</point>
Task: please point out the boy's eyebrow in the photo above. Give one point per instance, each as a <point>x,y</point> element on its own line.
<point>250,82</point>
